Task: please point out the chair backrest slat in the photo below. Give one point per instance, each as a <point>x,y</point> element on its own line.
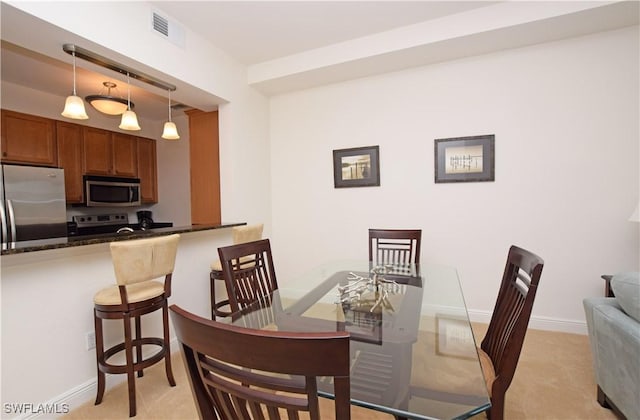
<point>248,272</point>
<point>277,375</point>
<point>395,246</point>
<point>505,335</point>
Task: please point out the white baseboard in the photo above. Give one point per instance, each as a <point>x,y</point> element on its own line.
<point>77,396</point>
<point>539,323</point>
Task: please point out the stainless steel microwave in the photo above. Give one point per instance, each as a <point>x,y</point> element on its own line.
<point>102,191</point>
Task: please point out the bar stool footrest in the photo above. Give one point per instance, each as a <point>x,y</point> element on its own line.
<point>221,304</point>
<point>137,366</point>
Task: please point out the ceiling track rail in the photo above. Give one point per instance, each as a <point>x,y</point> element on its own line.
<point>91,57</point>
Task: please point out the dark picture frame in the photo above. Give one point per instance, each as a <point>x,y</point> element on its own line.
<point>465,159</point>
<point>356,167</point>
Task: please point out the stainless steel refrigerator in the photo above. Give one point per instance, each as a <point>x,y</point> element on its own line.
<point>32,203</point>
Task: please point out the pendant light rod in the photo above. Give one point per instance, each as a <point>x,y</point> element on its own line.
<point>128,92</point>
<point>74,74</point>
<point>115,66</point>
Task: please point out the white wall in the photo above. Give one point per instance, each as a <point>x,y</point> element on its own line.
<point>565,119</point>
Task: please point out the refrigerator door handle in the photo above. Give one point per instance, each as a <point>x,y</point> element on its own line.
<point>3,219</point>
<point>12,221</point>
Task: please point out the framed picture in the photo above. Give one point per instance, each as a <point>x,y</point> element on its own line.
<point>454,337</point>
<point>465,159</point>
<point>356,167</point>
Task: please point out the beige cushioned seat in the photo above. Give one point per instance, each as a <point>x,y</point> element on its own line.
<point>136,264</point>
<point>135,292</point>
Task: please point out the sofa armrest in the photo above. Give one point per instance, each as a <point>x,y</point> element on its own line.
<point>615,345</point>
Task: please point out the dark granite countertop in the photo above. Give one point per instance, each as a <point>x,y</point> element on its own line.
<point>71,241</point>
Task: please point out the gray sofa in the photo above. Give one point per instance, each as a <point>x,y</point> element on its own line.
<point>614,335</point>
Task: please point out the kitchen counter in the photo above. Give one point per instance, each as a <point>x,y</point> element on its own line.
<point>72,241</point>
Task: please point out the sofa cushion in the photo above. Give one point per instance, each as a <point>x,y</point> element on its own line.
<point>626,287</point>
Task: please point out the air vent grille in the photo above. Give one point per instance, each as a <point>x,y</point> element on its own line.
<point>167,28</point>
<point>160,24</point>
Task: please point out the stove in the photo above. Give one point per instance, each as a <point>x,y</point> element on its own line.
<point>108,223</point>
<point>98,224</point>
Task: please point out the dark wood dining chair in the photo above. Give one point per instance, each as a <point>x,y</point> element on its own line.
<point>238,372</point>
<point>248,272</point>
<point>502,344</point>
<point>395,246</point>
<point>240,234</point>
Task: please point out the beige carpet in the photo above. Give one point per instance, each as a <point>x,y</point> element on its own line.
<point>554,380</point>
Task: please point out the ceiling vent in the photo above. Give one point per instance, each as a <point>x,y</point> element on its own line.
<point>162,26</point>
<point>180,107</point>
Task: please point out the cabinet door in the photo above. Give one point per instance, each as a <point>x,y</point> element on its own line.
<point>205,165</point>
<point>98,151</point>
<point>28,139</point>
<point>125,155</point>
<point>70,152</point>
<point>147,170</point>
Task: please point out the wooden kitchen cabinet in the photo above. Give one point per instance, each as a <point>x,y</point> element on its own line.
<point>110,154</point>
<point>98,151</point>
<point>70,153</point>
<point>28,139</point>
<point>79,150</point>
<point>125,155</point>
<point>147,170</point>
<point>205,167</point>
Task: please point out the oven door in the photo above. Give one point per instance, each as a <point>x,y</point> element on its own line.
<point>112,192</point>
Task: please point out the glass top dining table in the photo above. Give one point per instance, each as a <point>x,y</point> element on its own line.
<point>413,353</point>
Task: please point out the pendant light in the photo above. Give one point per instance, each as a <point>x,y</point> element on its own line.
<point>170,131</point>
<point>107,104</point>
<point>129,118</point>
<point>73,106</point>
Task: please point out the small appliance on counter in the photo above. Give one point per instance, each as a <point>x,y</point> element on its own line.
<point>145,219</point>
<point>32,203</point>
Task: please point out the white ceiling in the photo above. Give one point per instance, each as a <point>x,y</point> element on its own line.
<point>293,45</point>
<point>257,31</point>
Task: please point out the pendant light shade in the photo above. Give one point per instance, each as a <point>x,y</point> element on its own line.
<point>129,121</point>
<point>107,104</point>
<point>73,106</point>
<point>170,131</point>
<point>129,118</point>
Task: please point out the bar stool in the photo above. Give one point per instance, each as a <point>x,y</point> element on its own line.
<point>138,264</point>
<point>240,235</point>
